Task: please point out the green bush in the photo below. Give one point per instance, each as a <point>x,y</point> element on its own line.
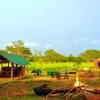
<point>59,66</point>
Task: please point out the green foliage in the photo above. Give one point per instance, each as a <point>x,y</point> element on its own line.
<point>70,58</point>
<point>89,55</point>
<point>3,51</point>
<point>78,60</point>
<point>17,47</point>
<point>54,56</point>
<point>58,66</point>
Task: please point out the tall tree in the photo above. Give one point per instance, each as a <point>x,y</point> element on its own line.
<point>38,57</point>
<point>70,58</point>
<point>78,60</point>
<point>54,56</point>
<point>17,47</point>
<point>89,55</point>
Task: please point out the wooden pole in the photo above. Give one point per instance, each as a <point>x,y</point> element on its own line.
<point>24,70</point>
<point>27,69</point>
<point>12,71</point>
<point>1,69</point>
<point>1,64</point>
<point>8,64</point>
<point>17,69</point>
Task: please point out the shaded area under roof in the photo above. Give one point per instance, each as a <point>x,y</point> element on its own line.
<point>16,59</point>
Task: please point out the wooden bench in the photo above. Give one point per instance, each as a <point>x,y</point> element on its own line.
<point>71,72</point>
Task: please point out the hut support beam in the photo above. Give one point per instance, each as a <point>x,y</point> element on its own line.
<point>12,71</point>
<point>1,65</point>
<point>8,64</point>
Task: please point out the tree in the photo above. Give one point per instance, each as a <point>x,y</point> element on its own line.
<point>17,47</point>
<point>90,55</point>
<point>37,53</point>
<point>4,51</point>
<point>70,58</point>
<point>78,60</point>
<point>37,57</point>
<point>53,56</point>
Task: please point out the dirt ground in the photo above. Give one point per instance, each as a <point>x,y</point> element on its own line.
<point>24,86</point>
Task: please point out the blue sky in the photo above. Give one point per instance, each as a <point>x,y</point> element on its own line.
<point>67,26</point>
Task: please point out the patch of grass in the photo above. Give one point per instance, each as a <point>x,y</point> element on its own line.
<point>30,96</point>
<point>92,83</point>
<point>4,98</point>
<point>1,86</point>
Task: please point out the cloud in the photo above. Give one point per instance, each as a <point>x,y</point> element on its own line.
<point>31,44</point>
<point>27,44</point>
<point>95,41</point>
<point>8,44</point>
<point>48,46</point>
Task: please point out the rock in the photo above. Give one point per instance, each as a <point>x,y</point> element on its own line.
<point>78,96</point>
<point>42,90</point>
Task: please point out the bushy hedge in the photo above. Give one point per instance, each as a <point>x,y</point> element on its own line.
<point>59,66</point>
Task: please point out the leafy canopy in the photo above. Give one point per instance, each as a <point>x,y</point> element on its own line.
<point>18,48</point>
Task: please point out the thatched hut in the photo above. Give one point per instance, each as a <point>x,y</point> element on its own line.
<point>12,65</point>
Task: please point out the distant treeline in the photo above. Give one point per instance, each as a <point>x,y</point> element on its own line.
<point>53,56</point>
<point>50,55</point>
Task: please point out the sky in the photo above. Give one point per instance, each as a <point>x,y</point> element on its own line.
<point>67,26</point>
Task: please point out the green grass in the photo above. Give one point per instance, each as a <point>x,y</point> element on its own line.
<point>24,87</point>
<point>31,96</point>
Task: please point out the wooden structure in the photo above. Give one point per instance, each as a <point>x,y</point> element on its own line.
<point>74,93</point>
<point>97,63</point>
<point>12,65</point>
<point>97,67</point>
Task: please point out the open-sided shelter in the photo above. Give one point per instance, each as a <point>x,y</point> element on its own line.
<point>97,67</point>
<point>12,65</point>
<point>97,64</point>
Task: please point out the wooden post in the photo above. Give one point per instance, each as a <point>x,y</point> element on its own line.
<point>17,70</point>
<point>1,69</point>
<point>8,64</point>
<point>27,69</point>
<point>1,64</point>
<point>24,70</point>
<point>12,71</point>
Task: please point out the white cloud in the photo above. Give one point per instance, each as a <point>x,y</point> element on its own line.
<point>48,46</point>
<point>95,41</point>
<point>31,44</point>
<point>8,44</point>
<point>27,44</point>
